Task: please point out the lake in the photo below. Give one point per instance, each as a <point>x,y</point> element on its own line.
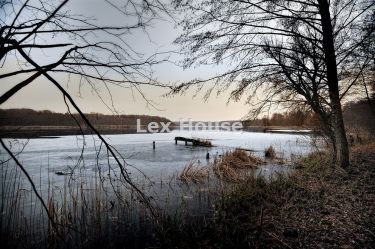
<point>43,157</point>
<point>154,171</point>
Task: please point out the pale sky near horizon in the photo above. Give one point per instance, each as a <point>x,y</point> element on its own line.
<point>40,95</point>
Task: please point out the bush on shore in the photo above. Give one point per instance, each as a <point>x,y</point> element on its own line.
<point>313,207</point>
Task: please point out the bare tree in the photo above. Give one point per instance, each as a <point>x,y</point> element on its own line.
<point>292,52</point>
<point>77,46</point>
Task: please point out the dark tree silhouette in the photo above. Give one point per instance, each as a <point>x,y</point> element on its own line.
<point>27,117</point>
<point>294,52</point>
<point>78,46</point>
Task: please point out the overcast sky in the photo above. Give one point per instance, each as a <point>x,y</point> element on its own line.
<point>41,95</point>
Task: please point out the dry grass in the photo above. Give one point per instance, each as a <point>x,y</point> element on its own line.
<point>205,142</point>
<point>226,166</point>
<point>224,172</point>
<point>90,212</point>
<point>193,172</point>
<point>202,142</point>
<point>270,153</point>
<point>313,207</point>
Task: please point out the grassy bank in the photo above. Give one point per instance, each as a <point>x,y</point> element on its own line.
<point>314,207</point>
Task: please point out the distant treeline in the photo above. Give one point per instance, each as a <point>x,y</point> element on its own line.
<point>358,117</point>
<point>287,119</point>
<point>29,117</point>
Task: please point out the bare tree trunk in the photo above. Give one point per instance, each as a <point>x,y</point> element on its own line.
<point>340,142</point>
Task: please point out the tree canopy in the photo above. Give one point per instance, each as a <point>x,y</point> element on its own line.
<point>45,39</point>
<point>283,52</point>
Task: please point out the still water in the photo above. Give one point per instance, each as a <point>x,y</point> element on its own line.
<point>43,157</point>
<point>154,171</point>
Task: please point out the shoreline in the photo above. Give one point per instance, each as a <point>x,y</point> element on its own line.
<point>58,131</point>
<point>312,207</point>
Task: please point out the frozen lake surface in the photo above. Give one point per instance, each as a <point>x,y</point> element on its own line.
<point>47,155</point>
<point>43,157</point>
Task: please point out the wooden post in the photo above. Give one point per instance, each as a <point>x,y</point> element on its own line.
<point>153,145</point>
<point>208,156</point>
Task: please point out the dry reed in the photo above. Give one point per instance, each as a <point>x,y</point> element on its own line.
<point>227,166</point>
<point>270,153</point>
<point>88,212</point>
<point>202,142</point>
<point>193,172</point>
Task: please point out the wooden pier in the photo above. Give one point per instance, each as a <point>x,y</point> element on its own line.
<point>194,142</point>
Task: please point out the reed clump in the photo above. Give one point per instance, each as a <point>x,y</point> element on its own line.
<point>227,166</point>
<point>313,204</point>
<point>202,142</point>
<point>270,153</point>
<point>89,211</point>
<point>205,142</point>
<point>192,172</point>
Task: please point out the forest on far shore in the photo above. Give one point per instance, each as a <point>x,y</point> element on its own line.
<point>28,123</point>
<point>359,116</point>
<point>29,117</point>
